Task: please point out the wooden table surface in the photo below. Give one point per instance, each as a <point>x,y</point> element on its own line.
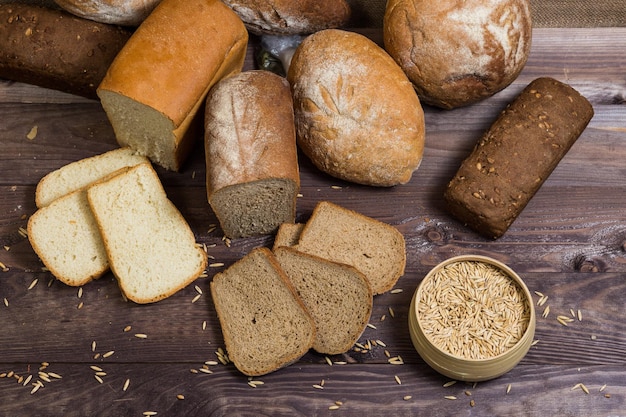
<point>568,244</point>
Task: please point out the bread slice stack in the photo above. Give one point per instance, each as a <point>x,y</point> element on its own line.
<point>335,289</point>
<point>111,211</point>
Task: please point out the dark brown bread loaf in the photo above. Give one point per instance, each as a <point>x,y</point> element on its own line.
<point>54,49</point>
<point>516,155</point>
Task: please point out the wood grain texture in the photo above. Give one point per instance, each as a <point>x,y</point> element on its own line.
<point>569,244</point>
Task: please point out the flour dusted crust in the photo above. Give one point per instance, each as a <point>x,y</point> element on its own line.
<point>516,155</point>
<point>118,12</point>
<point>458,52</point>
<point>291,17</point>
<point>357,115</point>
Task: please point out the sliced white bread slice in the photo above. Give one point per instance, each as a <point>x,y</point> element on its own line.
<point>337,296</point>
<point>265,325</point>
<point>151,249</point>
<point>65,236</point>
<point>375,248</point>
<point>80,174</point>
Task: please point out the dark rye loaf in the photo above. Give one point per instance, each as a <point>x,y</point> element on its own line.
<point>516,155</point>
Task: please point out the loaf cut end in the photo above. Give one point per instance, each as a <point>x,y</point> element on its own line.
<point>265,326</point>
<point>142,128</point>
<point>338,298</point>
<point>255,208</point>
<point>65,236</point>
<point>151,249</point>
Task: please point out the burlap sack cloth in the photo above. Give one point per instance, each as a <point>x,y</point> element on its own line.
<point>546,13</point>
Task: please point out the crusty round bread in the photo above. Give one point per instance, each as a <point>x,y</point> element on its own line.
<point>458,52</point>
<point>357,115</point>
<point>290,17</point>
<point>117,12</point>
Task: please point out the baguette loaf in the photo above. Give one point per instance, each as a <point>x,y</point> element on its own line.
<point>149,245</point>
<point>157,84</point>
<point>251,156</point>
<point>80,174</point>
<point>516,155</point>
<point>264,324</point>
<point>65,236</point>
<point>345,236</point>
<point>54,49</point>
<point>117,12</point>
<point>337,296</point>
<point>344,124</point>
<point>291,17</point>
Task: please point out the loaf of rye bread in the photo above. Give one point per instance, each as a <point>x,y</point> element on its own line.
<point>54,49</point>
<point>516,155</point>
<point>251,156</point>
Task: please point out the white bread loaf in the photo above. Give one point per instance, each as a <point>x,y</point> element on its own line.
<point>458,52</point>
<point>291,17</point>
<point>264,324</point>
<point>81,173</point>
<point>149,245</point>
<point>251,155</point>
<point>357,115</point>
<point>337,296</point>
<point>65,236</point>
<point>157,84</point>
<point>341,235</point>
<point>115,12</point>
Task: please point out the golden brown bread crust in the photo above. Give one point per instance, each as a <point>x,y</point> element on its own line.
<point>343,122</point>
<point>118,12</point>
<point>458,52</point>
<point>516,155</point>
<point>291,17</point>
<point>54,49</point>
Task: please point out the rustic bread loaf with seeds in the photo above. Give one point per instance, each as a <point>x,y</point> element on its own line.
<point>81,173</point>
<point>516,155</point>
<point>150,247</point>
<point>341,235</point>
<point>264,323</point>
<point>156,86</point>
<point>253,178</point>
<point>337,296</point>
<point>116,12</point>
<point>65,236</point>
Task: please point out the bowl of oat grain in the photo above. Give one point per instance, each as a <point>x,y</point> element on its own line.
<point>472,318</point>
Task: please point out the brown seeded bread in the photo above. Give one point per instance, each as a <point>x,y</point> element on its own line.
<point>65,236</point>
<point>264,324</point>
<point>344,124</point>
<point>458,52</point>
<point>54,49</point>
<point>157,84</point>
<point>288,234</point>
<point>251,157</point>
<point>515,156</point>
<point>337,296</point>
<point>80,174</point>
<point>341,235</point>
<point>151,249</point>
<point>291,17</point>
<point>117,12</point>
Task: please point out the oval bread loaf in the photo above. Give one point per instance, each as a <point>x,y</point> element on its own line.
<point>458,52</point>
<point>357,115</point>
<point>117,12</point>
<point>290,17</point>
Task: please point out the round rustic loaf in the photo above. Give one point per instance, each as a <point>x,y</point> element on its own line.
<point>117,12</point>
<point>290,17</point>
<point>357,115</point>
<point>458,52</point>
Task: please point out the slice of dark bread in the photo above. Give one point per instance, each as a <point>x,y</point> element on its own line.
<point>264,324</point>
<point>337,296</point>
